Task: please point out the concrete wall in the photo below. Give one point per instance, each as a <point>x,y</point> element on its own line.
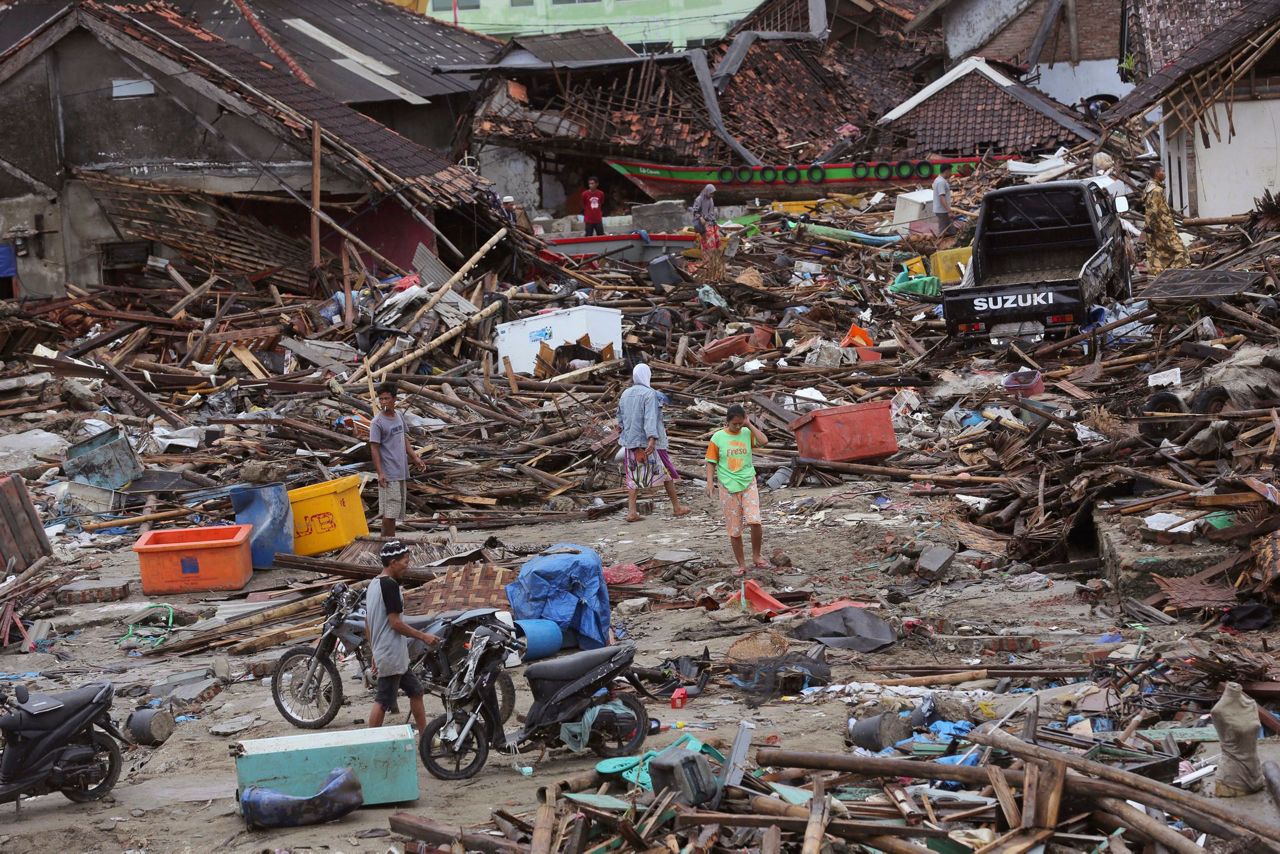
<point>37,277</point>
<point>513,173</point>
<point>970,24</point>
<point>84,228</point>
<point>1072,84</point>
<point>1230,174</point>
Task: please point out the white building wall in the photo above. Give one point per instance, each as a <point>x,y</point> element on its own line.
<point>1230,174</point>
<point>1071,84</point>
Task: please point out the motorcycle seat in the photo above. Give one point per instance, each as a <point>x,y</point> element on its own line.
<point>47,711</point>
<point>570,667</point>
<point>421,622</point>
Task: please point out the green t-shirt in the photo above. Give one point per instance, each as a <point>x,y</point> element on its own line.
<point>731,452</point>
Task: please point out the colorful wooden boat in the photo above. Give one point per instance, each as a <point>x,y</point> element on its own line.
<point>794,181</point>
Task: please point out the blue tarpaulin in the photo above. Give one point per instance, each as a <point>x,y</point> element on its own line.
<point>8,260</point>
<point>565,584</point>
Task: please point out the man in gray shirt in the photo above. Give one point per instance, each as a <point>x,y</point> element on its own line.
<point>389,443</point>
<point>942,203</point>
<point>389,638</point>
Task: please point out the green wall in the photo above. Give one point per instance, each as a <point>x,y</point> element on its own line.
<point>682,23</point>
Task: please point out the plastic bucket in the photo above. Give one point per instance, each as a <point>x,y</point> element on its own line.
<point>542,638</point>
<point>268,510</point>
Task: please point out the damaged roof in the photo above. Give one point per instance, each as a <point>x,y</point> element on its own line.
<point>976,108</point>
<point>158,36</point>
<point>358,51</point>
<point>573,45</point>
<point>1204,37</point>
<point>1161,31</point>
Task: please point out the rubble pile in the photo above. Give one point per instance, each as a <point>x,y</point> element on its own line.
<point>1132,459</point>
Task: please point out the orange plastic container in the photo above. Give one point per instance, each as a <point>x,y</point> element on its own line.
<point>841,434</point>
<point>185,560</point>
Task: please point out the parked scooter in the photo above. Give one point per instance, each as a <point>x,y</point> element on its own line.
<point>576,690</point>
<point>59,743</point>
<point>307,686</point>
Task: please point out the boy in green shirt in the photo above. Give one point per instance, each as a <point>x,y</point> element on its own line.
<point>729,460</point>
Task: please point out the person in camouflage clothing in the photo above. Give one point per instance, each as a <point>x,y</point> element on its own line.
<point>1165,248</point>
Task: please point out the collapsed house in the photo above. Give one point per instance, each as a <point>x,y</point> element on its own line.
<point>793,86</point>
<point>135,133</point>
<point>1207,76</point>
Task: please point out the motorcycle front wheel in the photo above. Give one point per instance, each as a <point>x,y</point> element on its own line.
<point>307,697</point>
<point>439,755</point>
<point>107,759</point>
<point>622,739</point>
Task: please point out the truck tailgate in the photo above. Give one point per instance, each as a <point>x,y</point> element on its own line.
<point>1013,303</point>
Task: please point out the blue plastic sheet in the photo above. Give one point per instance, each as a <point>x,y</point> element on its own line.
<point>566,586</point>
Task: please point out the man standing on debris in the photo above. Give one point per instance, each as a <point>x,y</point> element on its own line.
<point>593,208</point>
<point>942,203</point>
<point>389,443</point>
<point>645,460</point>
<point>1165,248</point>
<point>389,635</point>
<point>729,462</point>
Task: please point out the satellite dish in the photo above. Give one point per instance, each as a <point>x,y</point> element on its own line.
<point>470,163</point>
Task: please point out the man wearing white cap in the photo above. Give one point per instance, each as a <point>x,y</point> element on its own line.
<point>515,215</point>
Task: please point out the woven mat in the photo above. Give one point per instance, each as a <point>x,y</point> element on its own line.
<point>475,585</point>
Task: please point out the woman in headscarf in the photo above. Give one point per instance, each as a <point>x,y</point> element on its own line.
<point>709,240</point>
<point>645,460</point>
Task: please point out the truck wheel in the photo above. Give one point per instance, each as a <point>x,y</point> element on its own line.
<point>1162,401</point>
<point>1211,400</point>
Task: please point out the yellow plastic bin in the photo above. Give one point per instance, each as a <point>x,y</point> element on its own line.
<point>327,516</point>
<point>946,264</point>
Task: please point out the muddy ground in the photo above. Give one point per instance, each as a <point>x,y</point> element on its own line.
<point>840,542</point>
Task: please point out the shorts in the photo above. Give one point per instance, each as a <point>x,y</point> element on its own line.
<point>385,694</point>
<point>392,500</point>
<point>944,223</point>
<point>740,508</point>
<point>594,229</point>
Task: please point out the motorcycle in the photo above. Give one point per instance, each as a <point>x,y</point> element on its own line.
<point>306,684</point>
<point>59,743</point>
<point>575,690</point>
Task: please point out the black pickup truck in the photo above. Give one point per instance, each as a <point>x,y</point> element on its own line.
<point>1042,255</point>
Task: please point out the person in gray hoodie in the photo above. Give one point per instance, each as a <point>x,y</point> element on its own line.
<point>646,462</point>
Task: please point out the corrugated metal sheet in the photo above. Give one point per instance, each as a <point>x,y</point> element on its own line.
<point>373,32</point>
<point>596,43</point>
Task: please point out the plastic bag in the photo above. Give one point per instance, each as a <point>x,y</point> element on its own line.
<point>1235,717</point>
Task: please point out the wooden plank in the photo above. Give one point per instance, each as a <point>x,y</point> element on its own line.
<point>1030,791</point>
<point>1053,776</point>
<point>819,816</point>
<point>439,833</point>
<point>1004,794</point>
